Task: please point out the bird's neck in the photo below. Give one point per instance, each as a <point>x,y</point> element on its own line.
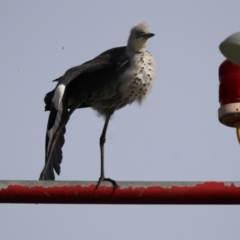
<point>131,52</point>
<point>135,46</point>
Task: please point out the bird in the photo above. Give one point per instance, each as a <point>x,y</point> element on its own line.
<point>115,78</point>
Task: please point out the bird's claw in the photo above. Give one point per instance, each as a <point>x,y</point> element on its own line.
<point>113,182</point>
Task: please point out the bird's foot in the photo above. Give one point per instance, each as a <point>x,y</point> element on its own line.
<point>103,179</point>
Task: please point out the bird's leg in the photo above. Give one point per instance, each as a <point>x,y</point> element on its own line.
<point>102,141</point>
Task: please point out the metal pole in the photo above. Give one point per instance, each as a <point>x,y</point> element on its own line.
<point>79,192</point>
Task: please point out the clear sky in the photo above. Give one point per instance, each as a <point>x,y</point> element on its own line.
<point>173,136</point>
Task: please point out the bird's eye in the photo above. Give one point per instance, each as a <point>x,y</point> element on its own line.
<point>139,33</point>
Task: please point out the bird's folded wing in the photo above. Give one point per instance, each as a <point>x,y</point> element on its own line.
<point>112,61</point>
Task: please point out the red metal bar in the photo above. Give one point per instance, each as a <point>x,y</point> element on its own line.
<point>127,193</point>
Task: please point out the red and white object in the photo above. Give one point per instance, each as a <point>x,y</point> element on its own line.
<point>229,95</point>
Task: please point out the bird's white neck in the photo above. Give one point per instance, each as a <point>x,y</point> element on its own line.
<point>135,46</point>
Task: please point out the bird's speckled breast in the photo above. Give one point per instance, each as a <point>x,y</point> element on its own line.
<point>137,81</point>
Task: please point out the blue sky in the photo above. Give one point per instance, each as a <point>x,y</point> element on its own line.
<point>173,136</point>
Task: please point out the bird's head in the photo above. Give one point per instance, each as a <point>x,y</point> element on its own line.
<point>139,35</point>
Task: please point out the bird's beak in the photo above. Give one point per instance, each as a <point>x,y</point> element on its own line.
<point>147,35</point>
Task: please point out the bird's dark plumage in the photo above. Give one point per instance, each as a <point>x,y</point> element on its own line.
<point>81,83</point>
<point>106,83</point>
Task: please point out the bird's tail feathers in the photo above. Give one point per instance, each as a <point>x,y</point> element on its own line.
<point>48,100</point>
<point>54,142</point>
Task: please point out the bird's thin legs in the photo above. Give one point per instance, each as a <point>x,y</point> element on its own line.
<point>102,141</point>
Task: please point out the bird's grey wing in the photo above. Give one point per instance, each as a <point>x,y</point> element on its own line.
<point>115,57</point>
<point>111,57</point>
<point>57,101</point>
